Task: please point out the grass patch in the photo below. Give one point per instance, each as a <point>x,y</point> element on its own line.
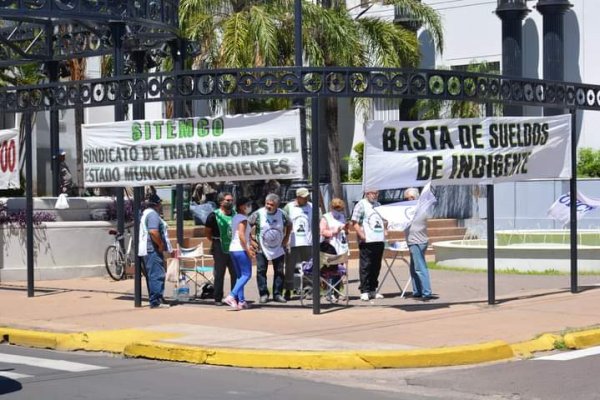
<point>510,271</point>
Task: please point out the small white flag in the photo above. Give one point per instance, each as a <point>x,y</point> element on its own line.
<point>560,210</point>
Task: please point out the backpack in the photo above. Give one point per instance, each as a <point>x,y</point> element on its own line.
<point>207,291</point>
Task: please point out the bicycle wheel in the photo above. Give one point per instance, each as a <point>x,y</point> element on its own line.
<point>114,260</point>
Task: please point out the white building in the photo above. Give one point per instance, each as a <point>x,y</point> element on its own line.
<point>472,33</point>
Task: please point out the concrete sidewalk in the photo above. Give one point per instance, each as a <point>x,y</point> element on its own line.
<point>457,328</point>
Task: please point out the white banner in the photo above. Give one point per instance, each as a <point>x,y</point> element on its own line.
<point>400,216</point>
<point>466,151</point>
<point>191,150</point>
<point>561,209</point>
<point>9,159</point>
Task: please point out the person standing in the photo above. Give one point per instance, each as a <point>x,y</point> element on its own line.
<point>152,244</point>
<point>241,253</point>
<point>65,176</point>
<point>417,240</point>
<point>370,231</point>
<point>218,232</point>
<point>271,228</point>
<point>299,212</point>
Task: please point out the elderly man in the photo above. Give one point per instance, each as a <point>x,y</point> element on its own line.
<point>271,232</point>
<point>299,212</point>
<point>218,231</point>
<point>370,230</point>
<point>153,243</point>
<point>417,239</point>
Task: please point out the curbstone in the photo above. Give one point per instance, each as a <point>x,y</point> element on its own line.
<point>252,358</point>
<point>579,340</point>
<point>545,342</point>
<point>29,338</point>
<point>438,357</point>
<point>138,343</point>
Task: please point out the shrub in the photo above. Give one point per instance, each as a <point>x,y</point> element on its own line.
<point>19,217</point>
<point>111,210</point>
<point>588,165</point>
<point>356,163</point>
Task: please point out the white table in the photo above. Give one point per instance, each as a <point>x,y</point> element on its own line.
<point>399,250</point>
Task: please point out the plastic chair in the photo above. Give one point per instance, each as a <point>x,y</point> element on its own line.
<point>192,264</point>
<point>333,278</point>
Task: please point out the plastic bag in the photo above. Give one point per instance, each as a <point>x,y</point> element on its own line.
<point>61,202</point>
<point>172,273</point>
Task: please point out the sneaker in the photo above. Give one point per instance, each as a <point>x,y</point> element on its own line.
<point>242,305</point>
<point>160,305</point>
<point>230,300</point>
<point>375,295</point>
<point>263,299</point>
<point>218,303</point>
<point>364,296</point>
<point>332,298</point>
<point>287,294</point>
<point>280,299</point>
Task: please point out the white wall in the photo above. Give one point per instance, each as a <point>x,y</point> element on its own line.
<point>472,31</point>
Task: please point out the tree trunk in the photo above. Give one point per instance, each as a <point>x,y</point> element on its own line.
<point>333,146</point>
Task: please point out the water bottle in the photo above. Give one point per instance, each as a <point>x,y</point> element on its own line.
<point>183,291</point>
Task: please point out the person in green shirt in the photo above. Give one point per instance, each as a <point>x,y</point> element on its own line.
<point>218,232</point>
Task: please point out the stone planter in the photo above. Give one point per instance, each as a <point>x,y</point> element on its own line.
<point>62,250</point>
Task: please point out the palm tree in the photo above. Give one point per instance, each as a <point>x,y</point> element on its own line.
<point>255,33</point>
<point>25,74</point>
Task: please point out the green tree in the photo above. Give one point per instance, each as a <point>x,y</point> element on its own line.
<point>436,109</point>
<point>256,33</point>
<point>588,163</point>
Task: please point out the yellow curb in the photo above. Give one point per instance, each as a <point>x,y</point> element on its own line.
<point>113,341</point>
<point>545,342</point>
<point>579,340</point>
<point>252,358</point>
<point>437,357</point>
<point>29,338</point>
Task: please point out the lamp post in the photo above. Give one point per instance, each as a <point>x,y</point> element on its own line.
<point>554,47</point>
<point>404,17</point>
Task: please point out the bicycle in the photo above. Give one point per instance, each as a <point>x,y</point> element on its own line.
<point>115,260</point>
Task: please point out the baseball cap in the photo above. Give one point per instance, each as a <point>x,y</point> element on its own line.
<point>302,192</point>
<point>153,200</point>
<point>61,152</point>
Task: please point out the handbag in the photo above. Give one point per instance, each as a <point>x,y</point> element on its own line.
<point>172,273</point>
<point>62,202</point>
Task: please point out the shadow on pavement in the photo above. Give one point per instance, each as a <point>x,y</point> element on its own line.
<point>8,385</point>
<point>46,291</point>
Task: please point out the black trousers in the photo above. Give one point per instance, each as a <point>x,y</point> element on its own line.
<point>222,263</point>
<point>369,265</point>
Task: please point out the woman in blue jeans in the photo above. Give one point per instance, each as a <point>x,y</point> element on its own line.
<point>241,254</point>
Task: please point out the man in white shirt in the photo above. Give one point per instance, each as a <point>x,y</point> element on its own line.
<point>370,230</point>
<point>299,212</point>
<point>271,233</point>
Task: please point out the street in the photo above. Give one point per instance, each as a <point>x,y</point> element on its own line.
<point>35,374</point>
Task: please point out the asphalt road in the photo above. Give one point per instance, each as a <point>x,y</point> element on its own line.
<point>36,374</point>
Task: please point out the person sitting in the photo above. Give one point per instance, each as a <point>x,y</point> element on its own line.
<point>334,230</point>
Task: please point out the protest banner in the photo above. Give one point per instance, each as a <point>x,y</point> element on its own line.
<point>400,215</point>
<point>466,151</point>
<point>560,210</point>
<point>9,159</point>
<point>191,150</point>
